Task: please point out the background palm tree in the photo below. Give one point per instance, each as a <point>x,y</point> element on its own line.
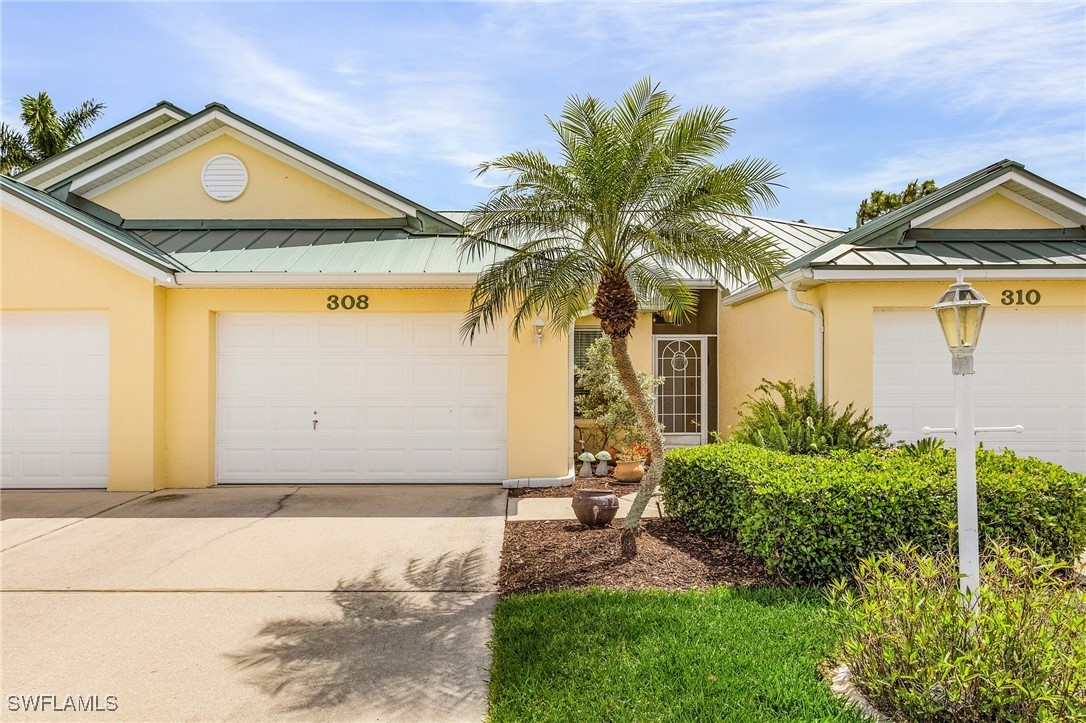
<point>47,133</point>
<point>635,195</point>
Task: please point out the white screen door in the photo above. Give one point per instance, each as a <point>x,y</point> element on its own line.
<point>680,401</point>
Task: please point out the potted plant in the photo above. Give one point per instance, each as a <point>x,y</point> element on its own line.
<point>630,467</point>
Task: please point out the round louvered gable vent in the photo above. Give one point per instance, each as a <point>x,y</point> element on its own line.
<point>224,177</point>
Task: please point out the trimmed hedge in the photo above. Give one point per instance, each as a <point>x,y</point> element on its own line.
<point>811,518</point>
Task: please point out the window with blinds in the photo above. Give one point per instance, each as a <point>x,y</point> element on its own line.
<point>582,339</point>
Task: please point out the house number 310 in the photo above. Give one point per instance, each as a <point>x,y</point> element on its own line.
<point>1019,297</point>
<point>348,302</point>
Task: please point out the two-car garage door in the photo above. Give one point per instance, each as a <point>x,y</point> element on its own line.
<point>358,397</point>
<point>1030,370</point>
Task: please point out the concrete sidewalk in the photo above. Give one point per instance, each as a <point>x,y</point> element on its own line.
<point>252,603</point>
<point>532,509</point>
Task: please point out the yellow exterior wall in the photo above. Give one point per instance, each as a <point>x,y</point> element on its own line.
<point>850,309</point>
<point>538,377</point>
<point>765,337</point>
<point>44,272</point>
<point>275,190</point>
<point>996,212</point>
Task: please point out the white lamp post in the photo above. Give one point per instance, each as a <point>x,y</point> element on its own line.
<point>961,311</point>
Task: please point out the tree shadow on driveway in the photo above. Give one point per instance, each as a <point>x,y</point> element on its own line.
<point>419,654</point>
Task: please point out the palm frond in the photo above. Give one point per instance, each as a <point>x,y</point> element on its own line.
<point>73,122</point>
<point>15,152</point>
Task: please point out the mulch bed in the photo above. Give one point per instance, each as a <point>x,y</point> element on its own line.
<point>602,483</point>
<point>557,555</point>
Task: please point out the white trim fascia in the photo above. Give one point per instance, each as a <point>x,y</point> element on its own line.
<point>571,421</point>
<point>290,280</point>
<point>85,240</point>
<point>753,292</point>
<point>1056,273</point>
<point>249,141</point>
<point>90,145</point>
<point>983,191</point>
<point>247,129</point>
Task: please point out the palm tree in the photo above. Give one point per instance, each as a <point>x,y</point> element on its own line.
<point>635,197</point>
<point>47,133</point>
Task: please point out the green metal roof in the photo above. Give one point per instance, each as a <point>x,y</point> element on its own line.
<point>119,238</point>
<point>309,247</point>
<point>952,248</point>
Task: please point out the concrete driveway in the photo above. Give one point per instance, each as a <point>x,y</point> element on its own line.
<point>251,603</point>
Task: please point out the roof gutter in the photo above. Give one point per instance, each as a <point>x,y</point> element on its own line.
<point>290,280</point>
<point>817,276</point>
<point>819,336</point>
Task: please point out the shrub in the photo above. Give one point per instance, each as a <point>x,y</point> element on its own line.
<point>811,518</point>
<point>799,423</point>
<point>924,447</point>
<point>919,654</point>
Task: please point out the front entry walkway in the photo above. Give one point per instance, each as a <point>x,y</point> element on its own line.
<point>255,603</point>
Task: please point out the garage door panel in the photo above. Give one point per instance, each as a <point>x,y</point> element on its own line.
<point>397,398</point>
<point>1031,370</point>
<point>241,462</point>
<point>54,411</point>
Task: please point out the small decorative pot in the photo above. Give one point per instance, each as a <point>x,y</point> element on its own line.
<point>595,508</point>
<point>629,472</point>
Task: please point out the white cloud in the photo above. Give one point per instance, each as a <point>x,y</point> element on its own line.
<point>996,54</point>
<point>447,117</point>
<point>1054,155</point>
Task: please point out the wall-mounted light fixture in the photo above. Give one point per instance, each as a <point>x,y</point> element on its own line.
<point>538,325</point>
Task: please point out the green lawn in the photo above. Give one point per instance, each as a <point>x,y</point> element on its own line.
<point>605,655</point>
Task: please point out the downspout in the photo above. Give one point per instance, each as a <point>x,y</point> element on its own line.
<point>819,336</point>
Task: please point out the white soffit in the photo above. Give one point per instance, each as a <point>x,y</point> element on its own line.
<point>1013,186</point>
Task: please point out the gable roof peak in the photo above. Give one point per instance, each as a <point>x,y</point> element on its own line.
<point>890,230</point>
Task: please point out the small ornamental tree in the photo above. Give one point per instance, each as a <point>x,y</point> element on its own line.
<point>605,401</point>
<point>634,194</point>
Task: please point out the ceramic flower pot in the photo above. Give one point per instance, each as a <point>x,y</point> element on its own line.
<point>595,508</point>
<point>629,472</point>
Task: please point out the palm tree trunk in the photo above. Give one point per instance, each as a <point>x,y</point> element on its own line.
<point>631,527</point>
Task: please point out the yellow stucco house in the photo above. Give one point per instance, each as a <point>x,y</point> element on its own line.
<point>191,299</point>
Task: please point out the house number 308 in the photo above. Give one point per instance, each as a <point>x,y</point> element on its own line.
<point>348,302</point>
<point>1019,297</point>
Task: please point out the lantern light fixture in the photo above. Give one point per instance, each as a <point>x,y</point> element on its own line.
<point>961,312</point>
<point>538,325</point>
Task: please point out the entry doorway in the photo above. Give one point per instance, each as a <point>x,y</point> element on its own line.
<point>682,362</point>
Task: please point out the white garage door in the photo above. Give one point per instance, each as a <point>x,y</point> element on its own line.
<point>55,409</point>
<point>358,397</point>
<point>1031,370</point>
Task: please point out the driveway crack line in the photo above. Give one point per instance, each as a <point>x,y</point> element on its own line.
<point>279,505</point>
<point>77,521</point>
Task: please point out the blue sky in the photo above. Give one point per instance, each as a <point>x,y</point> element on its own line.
<point>845,97</point>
